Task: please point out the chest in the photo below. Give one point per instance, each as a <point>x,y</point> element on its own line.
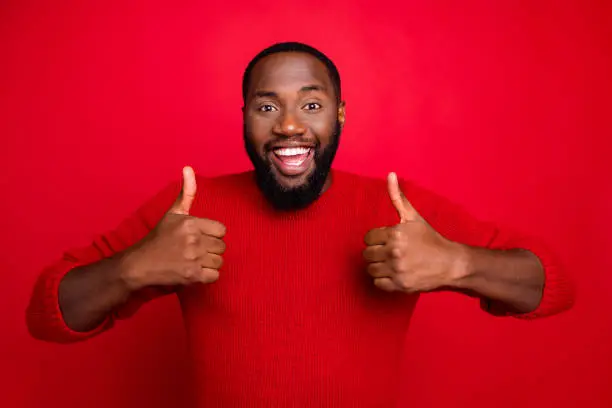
<point>297,270</point>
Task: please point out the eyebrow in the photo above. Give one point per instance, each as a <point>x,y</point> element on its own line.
<point>265,94</point>
<point>311,88</point>
<point>304,89</point>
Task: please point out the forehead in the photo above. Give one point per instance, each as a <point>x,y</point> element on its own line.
<point>289,71</point>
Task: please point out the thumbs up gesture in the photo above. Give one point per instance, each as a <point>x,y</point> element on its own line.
<point>410,256</point>
<point>181,249</point>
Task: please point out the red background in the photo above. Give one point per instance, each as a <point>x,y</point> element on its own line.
<point>499,105</point>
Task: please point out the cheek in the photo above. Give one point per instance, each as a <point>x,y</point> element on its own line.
<point>258,130</point>
<point>323,128</point>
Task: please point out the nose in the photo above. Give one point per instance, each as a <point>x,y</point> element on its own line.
<point>289,125</point>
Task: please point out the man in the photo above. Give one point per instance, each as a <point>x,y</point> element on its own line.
<point>297,282</point>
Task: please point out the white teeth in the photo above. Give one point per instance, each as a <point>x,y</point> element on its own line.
<point>291,151</point>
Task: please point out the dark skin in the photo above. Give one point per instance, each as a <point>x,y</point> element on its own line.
<point>291,99</point>
<point>413,257</point>
<point>291,95</point>
<point>180,250</point>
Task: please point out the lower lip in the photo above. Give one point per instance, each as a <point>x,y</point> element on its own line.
<point>293,165</point>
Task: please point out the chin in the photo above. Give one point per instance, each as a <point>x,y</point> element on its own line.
<point>292,188</point>
<point>289,183</point>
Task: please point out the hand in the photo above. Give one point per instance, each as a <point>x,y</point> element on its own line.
<point>410,256</point>
<point>180,250</point>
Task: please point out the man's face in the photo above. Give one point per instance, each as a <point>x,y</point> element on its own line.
<point>292,124</point>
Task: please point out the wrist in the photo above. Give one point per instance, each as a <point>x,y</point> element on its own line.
<point>461,269</point>
<point>127,274</point>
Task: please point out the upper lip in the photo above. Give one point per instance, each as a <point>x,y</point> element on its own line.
<point>289,145</point>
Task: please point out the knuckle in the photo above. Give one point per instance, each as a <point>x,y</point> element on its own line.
<point>191,239</point>
<point>189,253</point>
<point>396,251</point>
<point>188,225</point>
<point>398,266</point>
<point>404,284</point>
<point>188,273</point>
<point>396,234</point>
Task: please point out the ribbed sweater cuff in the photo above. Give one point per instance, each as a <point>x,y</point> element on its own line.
<point>46,318</point>
<point>558,294</point>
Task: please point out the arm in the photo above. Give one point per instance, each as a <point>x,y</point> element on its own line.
<point>512,274</point>
<point>88,294</point>
<point>442,247</point>
<point>507,281</point>
<point>78,298</point>
<point>83,293</point>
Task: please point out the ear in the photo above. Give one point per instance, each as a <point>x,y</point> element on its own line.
<point>342,113</point>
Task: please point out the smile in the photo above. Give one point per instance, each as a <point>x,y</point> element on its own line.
<point>292,161</point>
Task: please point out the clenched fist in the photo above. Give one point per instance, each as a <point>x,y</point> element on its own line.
<point>410,256</point>
<point>181,249</point>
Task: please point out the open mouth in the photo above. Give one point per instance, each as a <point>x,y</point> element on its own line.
<point>292,161</point>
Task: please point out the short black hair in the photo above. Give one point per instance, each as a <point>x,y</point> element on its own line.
<point>291,46</point>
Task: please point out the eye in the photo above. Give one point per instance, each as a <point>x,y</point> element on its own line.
<point>266,108</point>
<point>312,106</point>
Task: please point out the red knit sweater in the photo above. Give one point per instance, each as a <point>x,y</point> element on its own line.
<point>293,320</point>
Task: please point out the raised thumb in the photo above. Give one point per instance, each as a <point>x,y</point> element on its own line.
<point>403,207</point>
<point>183,203</point>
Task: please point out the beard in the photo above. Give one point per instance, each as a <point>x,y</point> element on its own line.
<point>294,198</point>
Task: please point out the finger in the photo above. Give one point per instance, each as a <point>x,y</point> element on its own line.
<point>193,272</point>
<point>376,253</point>
<point>183,203</point>
<point>404,209</point>
<point>212,245</point>
<point>385,284</point>
<point>379,270</point>
<point>196,273</point>
<point>211,227</point>
<point>208,275</point>
<point>212,261</point>
<point>377,236</point>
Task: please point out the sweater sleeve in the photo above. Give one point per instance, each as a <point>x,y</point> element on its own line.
<point>43,315</point>
<point>457,224</point>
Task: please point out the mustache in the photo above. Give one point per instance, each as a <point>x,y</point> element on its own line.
<point>301,196</point>
<point>296,140</point>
